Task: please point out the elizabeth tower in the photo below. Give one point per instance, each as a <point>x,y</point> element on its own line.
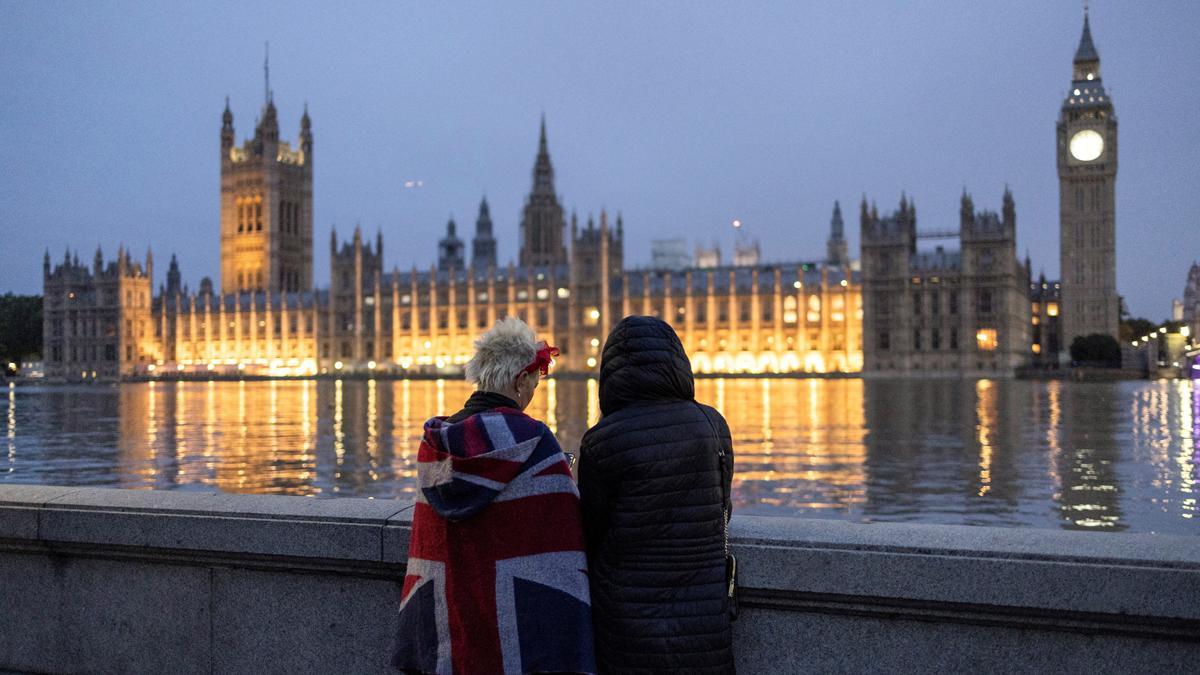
<point>1087,176</point>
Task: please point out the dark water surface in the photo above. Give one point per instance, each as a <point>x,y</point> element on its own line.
<point>1104,456</point>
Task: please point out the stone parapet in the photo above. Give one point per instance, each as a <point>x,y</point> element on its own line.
<point>121,581</point>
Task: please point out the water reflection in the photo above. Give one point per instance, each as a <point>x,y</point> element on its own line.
<point>1112,457</point>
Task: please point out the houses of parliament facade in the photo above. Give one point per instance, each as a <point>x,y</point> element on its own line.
<point>268,318</point>
<point>972,309</point>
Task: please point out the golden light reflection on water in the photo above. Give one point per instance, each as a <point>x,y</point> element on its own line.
<point>12,427</point>
<point>1053,422</point>
<point>985,413</point>
<point>1189,408</point>
<point>1053,454</point>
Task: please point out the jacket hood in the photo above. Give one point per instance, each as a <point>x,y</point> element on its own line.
<point>643,360</point>
<point>463,466</point>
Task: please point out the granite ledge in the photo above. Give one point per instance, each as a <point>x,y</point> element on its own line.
<point>1064,546</point>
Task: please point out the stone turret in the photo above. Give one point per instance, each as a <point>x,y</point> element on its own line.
<point>450,249</point>
<point>836,249</point>
<point>483,245</point>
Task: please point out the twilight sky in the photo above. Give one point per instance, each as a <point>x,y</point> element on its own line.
<point>682,115</point>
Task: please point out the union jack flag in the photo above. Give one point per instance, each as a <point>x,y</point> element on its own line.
<point>497,576</point>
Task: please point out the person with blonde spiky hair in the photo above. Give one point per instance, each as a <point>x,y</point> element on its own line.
<point>496,579</point>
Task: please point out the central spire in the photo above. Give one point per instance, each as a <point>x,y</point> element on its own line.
<point>267,74</point>
<point>543,170</point>
<point>542,223</point>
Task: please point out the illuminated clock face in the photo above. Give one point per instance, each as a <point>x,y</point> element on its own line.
<point>1087,145</point>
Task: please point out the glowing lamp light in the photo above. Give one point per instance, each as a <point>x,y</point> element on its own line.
<point>591,362</point>
<point>594,314</point>
<point>1163,329</point>
<point>337,365</point>
<point>241,366</point>
<point>371,365</point>
<point>151,367</point>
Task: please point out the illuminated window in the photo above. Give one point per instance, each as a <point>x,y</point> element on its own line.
<point>522,295</point>
<point>814,303</point>
<point>1052,309</point>
<point>789,309</point>
<point>591,316</point>
<point>1037,349</point>
<point>986,340</point>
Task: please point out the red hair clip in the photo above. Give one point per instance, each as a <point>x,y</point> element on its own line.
<point>543,359</point>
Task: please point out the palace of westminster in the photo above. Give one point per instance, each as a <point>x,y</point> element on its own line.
<point>902,309</point>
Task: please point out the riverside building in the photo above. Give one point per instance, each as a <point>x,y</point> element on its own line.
<point>266,317</point>
<point>956,311</point>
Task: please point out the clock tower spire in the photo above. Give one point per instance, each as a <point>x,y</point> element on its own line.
<point>1087,173</point>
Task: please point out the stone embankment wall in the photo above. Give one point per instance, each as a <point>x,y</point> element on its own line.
<point>98,580</point>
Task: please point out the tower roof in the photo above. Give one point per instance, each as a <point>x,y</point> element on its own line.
<point>1087,49</point>
<point>543,170</point>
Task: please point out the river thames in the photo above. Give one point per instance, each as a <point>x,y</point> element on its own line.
<point>1116,457</point>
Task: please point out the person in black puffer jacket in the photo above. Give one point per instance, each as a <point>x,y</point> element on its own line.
<point>654,482</point>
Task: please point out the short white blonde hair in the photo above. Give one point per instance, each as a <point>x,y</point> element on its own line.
<point>501,354</point>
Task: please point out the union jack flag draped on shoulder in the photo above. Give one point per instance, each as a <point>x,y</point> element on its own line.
<point>497,576</point>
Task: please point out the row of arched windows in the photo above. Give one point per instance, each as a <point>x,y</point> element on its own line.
<point>249,213</point>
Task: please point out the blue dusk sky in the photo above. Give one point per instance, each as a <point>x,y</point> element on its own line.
<point>682,115</point>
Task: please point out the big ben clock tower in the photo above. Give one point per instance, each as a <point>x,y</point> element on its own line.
<point>1087,175</point>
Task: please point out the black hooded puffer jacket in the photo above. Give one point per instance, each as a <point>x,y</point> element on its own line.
<point>654,479</point>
